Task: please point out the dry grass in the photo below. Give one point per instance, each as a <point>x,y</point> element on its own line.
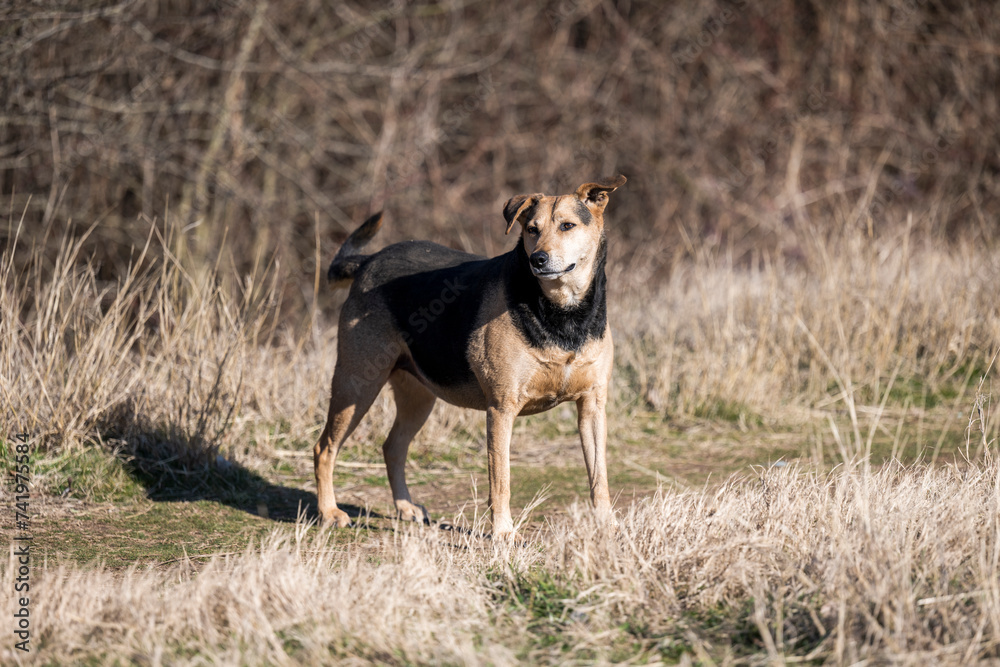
<point>899,566</point>
<point>766,336</point>
<point>175,365</point>
<point>182,361</point>
<point>804,245</point>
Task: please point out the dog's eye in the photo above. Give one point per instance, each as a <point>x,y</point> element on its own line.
<point>532,231</point>
<point>566,226</point>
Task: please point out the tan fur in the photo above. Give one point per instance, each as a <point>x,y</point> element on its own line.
<point>513,377</point>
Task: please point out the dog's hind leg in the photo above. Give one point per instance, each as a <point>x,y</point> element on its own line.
<point>414,403</point>
<point>352,392</point>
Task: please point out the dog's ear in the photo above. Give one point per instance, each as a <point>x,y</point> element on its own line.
<point>518,206</point>
<point>595,195</point>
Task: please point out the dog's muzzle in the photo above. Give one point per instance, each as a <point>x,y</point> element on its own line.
<point>539,261</point>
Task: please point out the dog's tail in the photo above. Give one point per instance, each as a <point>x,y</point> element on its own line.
<point>349,257</point>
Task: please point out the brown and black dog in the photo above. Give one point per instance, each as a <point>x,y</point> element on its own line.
<point>513,335</point>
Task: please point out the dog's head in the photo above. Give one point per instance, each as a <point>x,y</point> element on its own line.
<point>562,236</point>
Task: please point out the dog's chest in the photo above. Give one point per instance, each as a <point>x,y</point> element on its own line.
<point>559,375</point>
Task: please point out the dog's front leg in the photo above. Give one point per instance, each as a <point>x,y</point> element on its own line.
<point>592,420</point>
<point>499,424</point>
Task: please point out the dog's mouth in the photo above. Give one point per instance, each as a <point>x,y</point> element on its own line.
<point>552,275</point>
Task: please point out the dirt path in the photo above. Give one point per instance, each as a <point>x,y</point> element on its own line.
<point>545,460</point>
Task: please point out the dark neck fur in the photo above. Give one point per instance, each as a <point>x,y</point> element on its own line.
<point>545,324</point>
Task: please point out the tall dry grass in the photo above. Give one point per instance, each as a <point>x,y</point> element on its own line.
<point>872,313</point>
<point>156,354</point>
<point>186,362</point>
<point>181,360</point>
<point>897,566</point>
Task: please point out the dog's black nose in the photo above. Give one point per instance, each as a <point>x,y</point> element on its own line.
<point>539,259</point>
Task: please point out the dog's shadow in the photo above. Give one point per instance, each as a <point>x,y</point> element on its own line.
<point>241,488</point>
<point>214,479</point>
<point>172,468</point>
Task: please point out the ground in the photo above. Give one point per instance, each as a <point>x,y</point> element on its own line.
<point>224,516</point>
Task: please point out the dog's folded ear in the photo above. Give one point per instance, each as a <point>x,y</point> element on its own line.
<point>595,195</point>
<point>517,207</point>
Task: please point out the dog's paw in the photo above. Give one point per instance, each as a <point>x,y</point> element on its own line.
<point>407,511</point>
<point>335,518</point>
<point>508,537</point>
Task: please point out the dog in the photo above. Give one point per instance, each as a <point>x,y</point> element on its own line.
<point>513,335</point>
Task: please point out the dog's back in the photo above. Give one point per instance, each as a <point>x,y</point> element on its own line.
<point>433,294</point>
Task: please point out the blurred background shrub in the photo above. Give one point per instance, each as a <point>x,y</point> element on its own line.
<point>756,129</point>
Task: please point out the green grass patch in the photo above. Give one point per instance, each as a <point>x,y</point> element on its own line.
<point>562,484</point>
<point>559,422</point>
<point>376,480</point>
<point>148,532</point>
<point>547,602</point>
<point>92,473</point>
<point>728,411</point>
<point>457,453</point>
<point>916,391</point>
<point>89,474</point>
